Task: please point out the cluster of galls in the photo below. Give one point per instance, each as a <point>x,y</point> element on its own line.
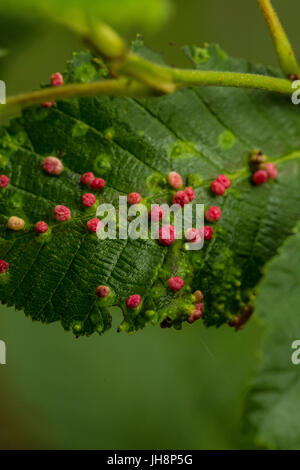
<point>195,315</point>
<point>220,184</point>
<point>53,166</point>
<point>167,233</point>
<point>262,170</point>
<point>181,197</point>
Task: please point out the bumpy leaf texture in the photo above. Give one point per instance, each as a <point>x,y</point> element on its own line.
<point>133,144</point>
<point>272,409</point>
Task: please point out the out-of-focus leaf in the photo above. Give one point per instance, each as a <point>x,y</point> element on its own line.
<point>273,411</point>
<point>122,14</point>
<point>3,53</point>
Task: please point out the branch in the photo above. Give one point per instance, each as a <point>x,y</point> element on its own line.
<point>285,53</point>
<point>141,77</point>
<point>120,87</point>
<point>167,79</point>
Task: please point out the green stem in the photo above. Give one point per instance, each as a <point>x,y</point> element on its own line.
<point>167,79</point>
<point>231,79</point>
<point>119,87</point>
<point>285,53</point>
<point>150,79</point>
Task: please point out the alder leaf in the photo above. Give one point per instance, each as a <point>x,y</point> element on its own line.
<point>133,144</point>
<point>272,410</point>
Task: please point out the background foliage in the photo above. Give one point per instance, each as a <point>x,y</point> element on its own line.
<point>99,393</point>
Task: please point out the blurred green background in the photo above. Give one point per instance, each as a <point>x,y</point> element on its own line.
<point>158,389</point>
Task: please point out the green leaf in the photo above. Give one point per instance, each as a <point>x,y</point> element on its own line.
<point>272,410</point>
<point>3,53</point>
<point>133,144</point>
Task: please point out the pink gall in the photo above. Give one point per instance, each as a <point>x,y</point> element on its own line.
<point>195,315</point>
<point>41,227</point>
<point>223,179</point>
<point>97,184</point>
<point>156,213</point>
<point>193,235</point>
<point>213,214</point>
<point>199,307</point>
<point>4,181</point>
<point>88,200</point>
<point>167,235</point>
<point>62,213</point>
<point>102,291</point>
<point>180,198</point>
<point>3,266</point>
<point>133,301</point>
<point>87,178</point>
<point>208,232</point>
<point>57,79</point>
<point>134,198</point>
<point>190,193</point>
<point>217,188</point>
<point>53,166</point>
<point>260,177</point>
<point>94,224</point>
<point>48,104</point>
<point>271,171</point>
<point>175,180</point>
<point>176,283</point>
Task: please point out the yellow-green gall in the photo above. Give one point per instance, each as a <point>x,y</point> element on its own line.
<point>15,223</point>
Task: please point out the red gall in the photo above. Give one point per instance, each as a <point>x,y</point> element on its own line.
<point>102,291</point>
<point>133,301</point>
<point>260,177</point>
<point>213,214</point>
<point>88,200</point>
<point>87,178</point>
<point>181,198</point>
<point>53,166</point>
<point>175,180</point>
<point>4,181</point>
<point>156,213</point>
<point>190,193</point>
<point>97,183</point>
<point>223,179</point>
<point>208,232</point>
<point>176,283</point>
<point>57,79</point>
<point>3,266</point>
<point>134,198</point>
<point>167,235</point>
<point>94,224</point>
<point>217,188</point>
<point>48,104</point>
<point>62,213</point>
<point>41,227</point>
<point>271,171</point>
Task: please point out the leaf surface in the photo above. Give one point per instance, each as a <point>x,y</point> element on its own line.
<point>133,144</point>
